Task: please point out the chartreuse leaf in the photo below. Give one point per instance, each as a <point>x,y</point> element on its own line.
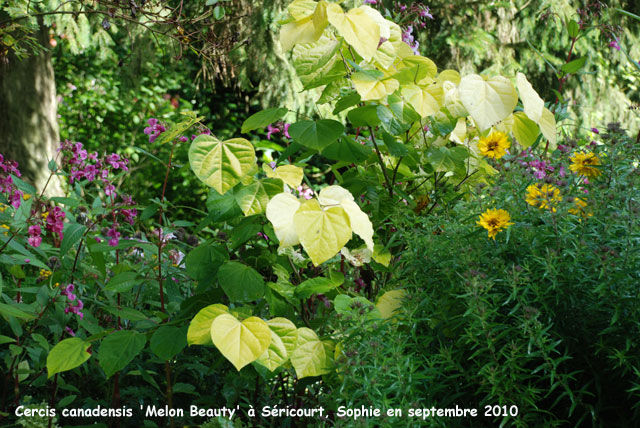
<point>308,25</point>
<point>415,69</point>
<point>322,232</point>
<point>253,199</point>
<point>547,125</point>
<point>359,221</point>
<point>371,87</point>
<point>199,332</point>
<point>357,28</point>
<point>240,342</point>
<point>168,341</point>
<point>488,100</point>
<point>119,349</point>
<point>312,357</point>
<point>390,302</point>
<point>449,76</point>
<point>524,129</point>
<point>240,282</point>
<point>280,211</point>
<point>316,134</point>
<point>284,336</point>
<point>381,255</point>
<point>318,285</point>
<point>531,101</point>
<point>425,100</point>
<point>262,118</point>
<point>67,355</point>
<point>292,175</point>
<point>318,63</point>
<point>221,164</point>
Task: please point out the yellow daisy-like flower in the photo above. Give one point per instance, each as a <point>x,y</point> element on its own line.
<point>585,164</point>
<point>3,207</point>
<point>543,197</point>
<point>4,226</point>
<point>495,145</point>
<point>26,196</point>
<point>44,273</point>
<point>580,208</point>
<point>494,221</point>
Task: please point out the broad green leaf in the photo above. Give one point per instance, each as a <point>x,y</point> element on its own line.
<point>364,116</point>
<point>72,234</point>
<point>292,175</point>
<point>11,311</point>
<point>240,342</point>
<point>199,332</point>
<point>119,349</point>
<point>371,88</point>
<point>202,262</point>
<point>344,305</point>
<point>322,232</point>
<point>221,164</point>
<point>253,199</point>
<point>488,100</point>
<point>67,355</point>
<point>312,357</point>
<point>319,285</point>
<point>262,119</point>
<point>222,207</point>
<point>126,313</point>
<point>280,211</point>
<point>240,282</point>
<point>347,150</point>
<point>168,341</point>
<point>345,102</point>
<point>316,134</point>
<point>390,302</point>
<point>357,28</point>
<point>524,129</point>
<point>318,63</point>
<point>547,125</point>
<point>426,101</point>
<point>531,101</point>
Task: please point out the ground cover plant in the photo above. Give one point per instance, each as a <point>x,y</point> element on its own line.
<point>423,238</point>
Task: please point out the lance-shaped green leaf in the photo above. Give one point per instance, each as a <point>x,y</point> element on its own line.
<point>119,349</point>
<point>318,285</point>
<point>323,232</point>
<point>280,211</point>
<point>316,134</point>
<point>240,342</point>
<point>488,100</point>
<point>199,332</point>
<point>357,28</point>
<point>312,356</point>
<point>253,199</point>
<point>221,164</point>
<point>284,336</point>
<point>67,355</point>
<point>262,118</point>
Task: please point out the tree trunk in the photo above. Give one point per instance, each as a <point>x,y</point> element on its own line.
<point>28,123</point>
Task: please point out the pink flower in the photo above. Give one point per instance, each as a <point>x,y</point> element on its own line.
<point>286,130</point>
<point>614,44</point>
<point>271,130</point>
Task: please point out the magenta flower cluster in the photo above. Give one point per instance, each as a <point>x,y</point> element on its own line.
<point>279,127</point>
<point>154,129</point>
<point>72,308</point>
<point>8,167</point>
